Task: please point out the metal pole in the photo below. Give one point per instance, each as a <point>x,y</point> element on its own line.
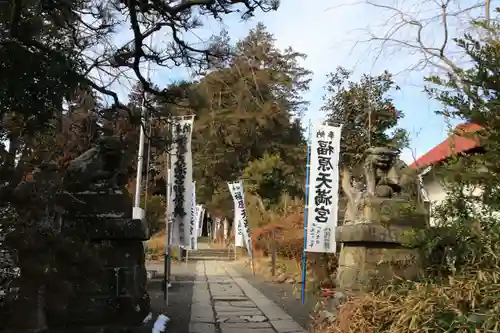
<point>166,268</point>
<point>306,209</point>
<point>168,231</point>
<point>142,136</point>
<point>140,158</point>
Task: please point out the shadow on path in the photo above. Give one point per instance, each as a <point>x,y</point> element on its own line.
<point>179,299</point>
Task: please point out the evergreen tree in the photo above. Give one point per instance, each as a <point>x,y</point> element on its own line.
<point>366,113</point>
<point>270,178</point>
<point>248,109</point>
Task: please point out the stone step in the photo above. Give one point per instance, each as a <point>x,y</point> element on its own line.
<point>196,254</point>
<point>211,254</point>
<point>210,251</point>
<point>211,258</point>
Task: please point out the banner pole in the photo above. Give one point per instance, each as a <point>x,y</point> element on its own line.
<point>306,210</point>
<point>168,227</point>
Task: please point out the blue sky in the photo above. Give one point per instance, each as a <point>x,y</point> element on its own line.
<point>329,32</point>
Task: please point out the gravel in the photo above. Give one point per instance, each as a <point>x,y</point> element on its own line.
<point>179,300</point>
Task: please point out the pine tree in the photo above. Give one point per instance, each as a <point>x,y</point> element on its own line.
<point>248,109</point>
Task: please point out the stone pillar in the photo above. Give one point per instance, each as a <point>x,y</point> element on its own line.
<point>111,290</point>
<point>372,246</point>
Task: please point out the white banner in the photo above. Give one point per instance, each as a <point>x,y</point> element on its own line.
<point>168,213</point>
<point>322,213</point>
<point>200,218</point>
<point>181,164</point>
<point>193,225</point>
<point>226,228</point>
<point>238,231</point>
<point>239,200</point>
<point>216,227</point>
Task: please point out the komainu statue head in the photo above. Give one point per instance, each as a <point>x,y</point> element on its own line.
<point>385,177</point>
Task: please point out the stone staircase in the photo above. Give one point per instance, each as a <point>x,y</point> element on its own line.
<point>206,253</point>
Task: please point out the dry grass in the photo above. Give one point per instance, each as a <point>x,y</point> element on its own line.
<point>157,241</point>
<point>466,304</point>
<point>286,235</point>
<point>156,247</point>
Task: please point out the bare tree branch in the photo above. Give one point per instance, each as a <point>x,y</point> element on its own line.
<point>421,26</point>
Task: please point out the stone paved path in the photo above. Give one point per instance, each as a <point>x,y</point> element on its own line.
<point>224,302</point>
<point>285,295</point>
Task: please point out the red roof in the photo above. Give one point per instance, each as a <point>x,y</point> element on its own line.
<point>454,144</point>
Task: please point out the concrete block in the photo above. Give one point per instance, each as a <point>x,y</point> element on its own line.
<point>247,330</point>
<point>245,325</point>
<point>229,298</point>
<point>238,313</point>
<point>201,328</point>
<point>273,312</point>
<point>233,309</point>
<point>286,326</point>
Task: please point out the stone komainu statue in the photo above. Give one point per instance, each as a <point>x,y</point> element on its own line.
<point>385,176</point>
<point>383,212</point>
<point>101,165</point>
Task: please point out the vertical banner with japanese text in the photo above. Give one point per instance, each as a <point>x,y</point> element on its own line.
<point>181,165</point>
<point>226,228</point>
<point>216,227</point>
<point>323,189</point>
<point>238,230</point>
<point>193,225</point>
<point>239,201</point>
<point>200,215</point>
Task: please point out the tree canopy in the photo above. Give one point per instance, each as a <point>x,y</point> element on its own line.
<point>249,108</point>
<point>366,112</point>
<point>52,54</point>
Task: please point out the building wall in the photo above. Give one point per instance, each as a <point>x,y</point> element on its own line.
<point>434,192</point>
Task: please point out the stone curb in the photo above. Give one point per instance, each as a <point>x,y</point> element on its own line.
<point>279,319</point>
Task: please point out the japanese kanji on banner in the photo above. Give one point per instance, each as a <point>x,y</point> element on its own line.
<point>180,207</point>
<point>238,228</point>
<point>200,213</point>
<point>323,195</point>
<point>193,225</point>
<point>217,225</point>
<point>238,194</point>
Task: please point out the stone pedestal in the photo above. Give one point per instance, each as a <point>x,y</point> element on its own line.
<point>111,289</point>
<point>372,247</point>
